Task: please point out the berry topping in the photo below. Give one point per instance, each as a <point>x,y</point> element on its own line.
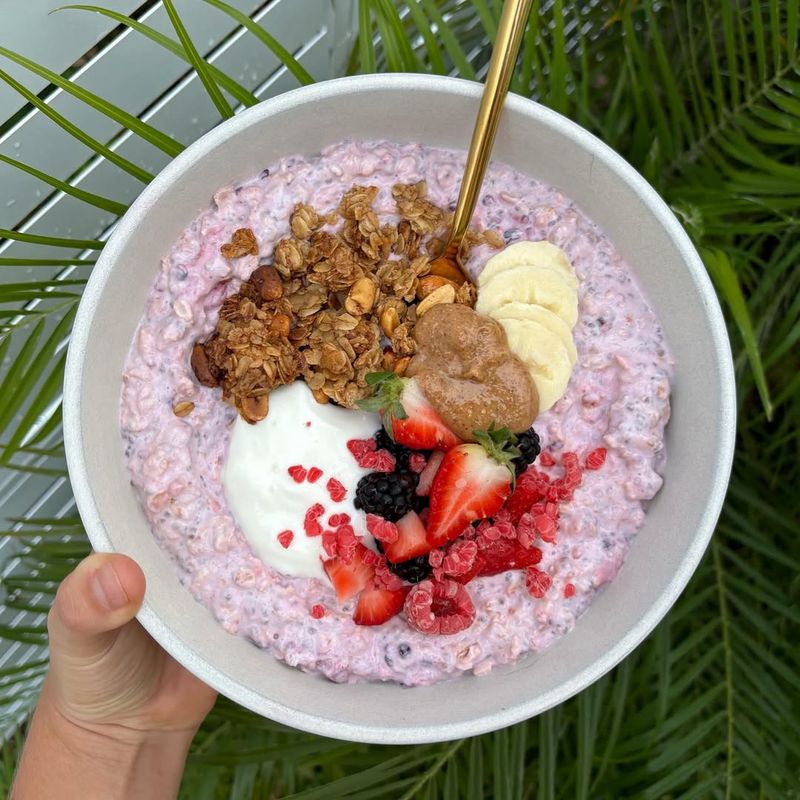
<point>317,611</point>
<point>471,484</point>
<point>380,461</point>
<point>285,538</point>
<point>529,448</point>
<point>311,524</point>
<point>376,606</point>
<point>495,557</point>
<point>546,459</point>
<point>349,579</point>
<point>407,415</point>
<point>411,540</point>
<point>569,590</point>
<point>460,557</point>
<point>389,496</point>
<point>439,607</point>
<point>381,529</point>
<point>538,582</point>
<point>336,490</point>
<point>401,453</point>
<point>360,447</point>
<point>314,474</point>
<point>596,458</point>
<point>335,520</point>
<point>298,473</point>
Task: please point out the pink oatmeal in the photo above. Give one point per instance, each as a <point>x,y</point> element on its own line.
<point>617,398</point>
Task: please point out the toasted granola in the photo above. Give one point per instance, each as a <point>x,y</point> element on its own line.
<point>332,306</point>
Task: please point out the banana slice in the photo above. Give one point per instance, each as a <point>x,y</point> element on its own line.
<point>523,254</point>
<point>541,286</point>
<point>547,319</point>
<point>543,352</point>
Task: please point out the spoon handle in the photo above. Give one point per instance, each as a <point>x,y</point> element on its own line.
<point>504,58</point>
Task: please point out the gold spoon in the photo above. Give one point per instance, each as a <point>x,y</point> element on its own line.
<point>504,58</point>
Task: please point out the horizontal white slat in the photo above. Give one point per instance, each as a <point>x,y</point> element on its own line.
<point>56,41</point>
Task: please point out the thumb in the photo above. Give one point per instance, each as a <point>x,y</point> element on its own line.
<point>102,594</point>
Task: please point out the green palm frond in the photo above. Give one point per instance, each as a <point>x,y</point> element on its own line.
<point>704,99</point>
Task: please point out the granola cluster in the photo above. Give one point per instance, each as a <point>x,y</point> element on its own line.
<point>334,305</point>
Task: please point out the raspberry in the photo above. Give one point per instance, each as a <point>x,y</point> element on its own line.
<point>385,578</point>
<point>317,611</point>
<point>314,474</point>
<point>311,520</point>
<point>531,488</point>
<point>298,473</point>
<point>330,544</point>
<point>379,461</point>
<point>360,447</point>
<point>346,543</point>
<point>538,582</point>
<point>381,529</point>
<point>546,460</point>
<point>569,461</point>
<point>336,490</point>
<point>335,520</point>
<point>596,458</point>
<point>285,538</point>
<point>439,607</point>
<point>417,462</point>
<point>460,557</point>
<point>545,526</point>
<point>569,590</point>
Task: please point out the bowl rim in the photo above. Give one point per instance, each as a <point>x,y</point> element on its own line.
<point>273,708</point>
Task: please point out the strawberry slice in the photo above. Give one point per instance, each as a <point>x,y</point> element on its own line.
<point>349,579</point>
<point>472,483</point>
<point>411,541</point>
<point>376,606</point>
<point>407,415</point>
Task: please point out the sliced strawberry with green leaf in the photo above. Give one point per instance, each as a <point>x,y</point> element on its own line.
<point>349,579</point>
<point>472,483</point>
<point>376,606</point>
<point>407,415</point>
<point>412,540</point>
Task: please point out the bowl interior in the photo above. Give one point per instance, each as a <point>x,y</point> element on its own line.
<point>436,111</point>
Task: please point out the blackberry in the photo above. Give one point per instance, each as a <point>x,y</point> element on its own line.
<point>412,571</point>
<point>529,448</point>
<point>389,495</point>
<point>400,452</point>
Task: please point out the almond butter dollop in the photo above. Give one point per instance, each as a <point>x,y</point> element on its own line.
<point>468,373</point>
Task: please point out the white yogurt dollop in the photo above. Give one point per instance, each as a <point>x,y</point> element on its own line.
<point>263,496</point>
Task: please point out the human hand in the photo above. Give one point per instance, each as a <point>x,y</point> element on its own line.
<point>112,696</point>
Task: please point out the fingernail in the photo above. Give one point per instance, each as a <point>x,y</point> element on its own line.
<point>108,589</point>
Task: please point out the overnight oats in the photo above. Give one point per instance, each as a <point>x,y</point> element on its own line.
<point>374,472</point>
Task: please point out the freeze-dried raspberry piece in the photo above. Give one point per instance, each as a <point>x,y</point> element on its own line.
<point>360,447</point>
<point>596,458</point>
<point>379,461</point>
<point>385,578</point>
<point>335,520</point>
<point>336,490</point>
<point>382,530</point>
<point>317,611</point>
<point>311,524</point>
<point>346,543</point>
<point>439,607</point>
<point>538,582</point>
<point>546,459</point>
<point>314,474</point>
<point>285,538</point>
<point>460,557</point>
<point>569,590</point>
<point>298,473</point>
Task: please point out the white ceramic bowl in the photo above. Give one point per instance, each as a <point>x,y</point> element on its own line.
<point>435,111</point>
